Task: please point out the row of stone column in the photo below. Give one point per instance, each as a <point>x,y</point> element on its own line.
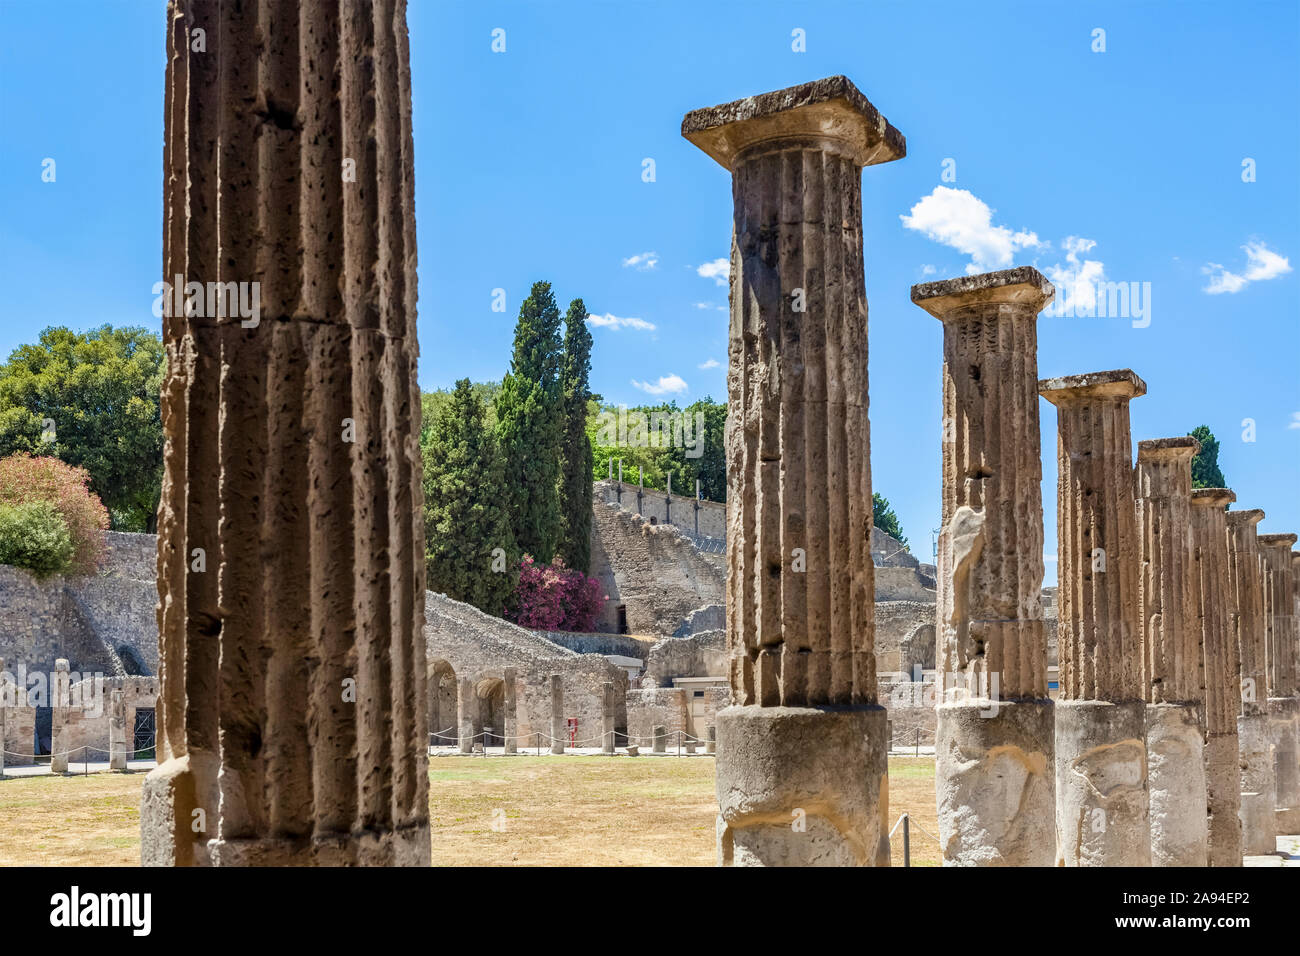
<point>1174,620</point>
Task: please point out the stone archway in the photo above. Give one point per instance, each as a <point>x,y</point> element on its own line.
<point>442,704</point>
<point>917,649</point>
<point>491,721</point>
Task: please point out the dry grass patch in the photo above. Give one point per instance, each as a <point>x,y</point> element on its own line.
<point>558,811</point>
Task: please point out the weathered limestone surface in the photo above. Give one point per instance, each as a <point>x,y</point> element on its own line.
<point>1283,704</point>
<point>994,774</point>
<point>292,709</point>
<point>511,723</point>
<point>558,730</point>
<point>60,738</point>
<point>806,732</point>
<point>466,712</point>
<point>1172,664</point>
<point>1255,751</point>
<point>1101,761</point>
<point>117,732</point>
<point>607,719</point>
<point>1222,670</point>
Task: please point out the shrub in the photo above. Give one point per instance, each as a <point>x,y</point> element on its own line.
<point>35,536</point>
<point>27,480</point>
<point>554,598</point>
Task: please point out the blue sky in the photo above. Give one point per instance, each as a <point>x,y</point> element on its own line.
<point>1124,164</point>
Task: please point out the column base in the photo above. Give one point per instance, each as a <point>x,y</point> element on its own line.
<point>802,786</point>
<point>1258,785</point>
<point>1176,784</point>
<point>1101,784</point>
<point>1284,720</point>
<point>402,846</point>
<point>1223,800</point>
<point>995,783</point>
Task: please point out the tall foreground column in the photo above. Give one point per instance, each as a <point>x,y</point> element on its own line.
<point>292,707</point>
<point>1222,669</point>
<point>1172,668</point>
<point>994,776</point>
<point>1255,751</point>
<point>801,768</point>
<point>1283,705</point>
<point>1101,761</point>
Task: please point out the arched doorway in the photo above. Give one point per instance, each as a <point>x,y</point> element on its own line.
<point>491,693</point>
<point>131,662</point>
<point>442,704</point>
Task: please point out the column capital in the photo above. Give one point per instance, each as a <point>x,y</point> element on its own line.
<point>1021,286</point>
<point>1295,560</point>
<point>1213,497</point>
<point>1168,449</point>
<point>1092,386</point>
<point>1249,518</point>
<point>1283,541</point>
<point>830,109</point>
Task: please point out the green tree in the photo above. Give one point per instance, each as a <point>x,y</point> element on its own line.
<point>465,507</point>
<point>576,455</point>
<point>91,399</point>
<point>530,425</point>
<point>1205,466</point>
<point>882,514</point>
<point>704,455</point>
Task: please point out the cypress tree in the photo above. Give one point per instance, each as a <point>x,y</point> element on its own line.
<point>465,507</point>
<point>530,425</point>
<point>1205,466</point>
<point>576,456</point>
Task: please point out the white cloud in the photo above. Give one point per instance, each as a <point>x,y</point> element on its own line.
<point>714,363</point>
<point>928,270</point>
<point>710,305</point>
<point>616,322</point>
<point>666,384</point>
<point>719,270</point>
<point>642,261</point>
<point>1076,281</point>
<point>1295,420</point>
<point>959,219</point>
<point>1261,263</point>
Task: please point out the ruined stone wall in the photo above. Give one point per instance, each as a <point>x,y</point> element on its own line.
<point>626,645</point>
<point>700,655</point>
<point>480,647</point>
<point>658,575</point>
<point>903,584</point>
<point>87,722</point>
<point>713,514</point>
<point>87,620</point>
<point>650,707</point>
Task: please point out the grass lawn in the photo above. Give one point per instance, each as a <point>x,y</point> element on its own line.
<point>486,811</point>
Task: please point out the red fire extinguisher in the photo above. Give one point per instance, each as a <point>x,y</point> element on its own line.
<point>573,730</point>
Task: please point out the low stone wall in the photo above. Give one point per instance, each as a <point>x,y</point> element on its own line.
<point>910,707</point>
<point>903,584</point>
<point>625,645</point>
<point>905,636</point>
<point>700,655</point>
<point>87,725</point>
<point>713,514</point>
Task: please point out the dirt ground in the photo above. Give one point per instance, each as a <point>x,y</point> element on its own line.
<point>484,811</point>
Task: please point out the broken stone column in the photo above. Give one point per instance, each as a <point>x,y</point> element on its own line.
<point>1101,760</point>
<point>466,715</point>
<point>994,775</point>
<point>292,708</point>
<point>1172,668</point>
<point>1283,705</point>
<point>805,735</point>
<point>60,698</point>
<point>659,742</point>
<point>557,715</point>
<point>711,740</point>
<point>4,709</point>
<point>116,731</point>
<point>1255,751</point>
<point>607,718</point>
<point>1209,602</point>
<point>511,720</point>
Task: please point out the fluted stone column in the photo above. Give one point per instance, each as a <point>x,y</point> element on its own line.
<point>607,717</point>
<point>1172,665</point>
<point>557,714</point>
<point>60,698</point>
<point>466,714</point>
<point>805,740</point>
<point>1283,705</point>
<point>1101,761</point>
<point>1222,670</point>
<point>994,774</point>
<point>290,554</point>
<point>511,719</point>
<point>1255,750</point>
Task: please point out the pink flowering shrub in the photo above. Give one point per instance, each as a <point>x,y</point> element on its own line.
<point>26,480</point>
<point>555,598</point>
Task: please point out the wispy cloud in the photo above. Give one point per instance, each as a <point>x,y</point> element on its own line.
<point>616,322</point>
<point>667,384</point>
<point>719,270</point>
<point>1295,420</point>
<point>1261,263</point>
<point>642,261</point>
<point>710,305</point>
<point>714,363</point>
<point>961,220</point>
